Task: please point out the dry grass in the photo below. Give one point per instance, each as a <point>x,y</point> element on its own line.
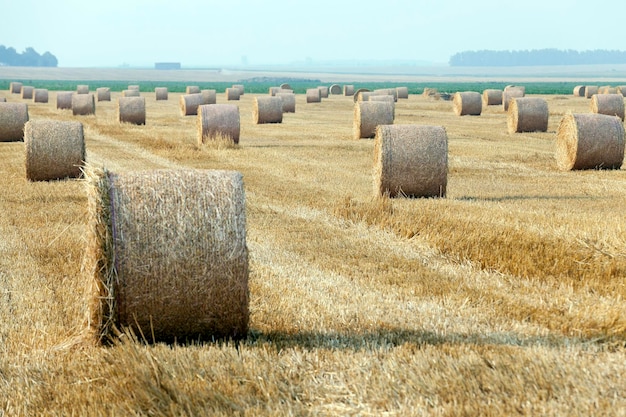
<point>504,298</point>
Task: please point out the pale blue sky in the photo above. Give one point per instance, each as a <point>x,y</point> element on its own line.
<point>91,33</point>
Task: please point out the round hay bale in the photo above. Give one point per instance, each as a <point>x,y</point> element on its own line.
<point>611,104</point>
<point>15,87</point>
<point>579,91</point>
<point>286,86</point>
<point>368,115</point>
<point>64,100</point>
<point>356,96</point>
<point>289,102</point>
<point>209,96</point>
<point>40,95</point>
<point>386,99</point>
<point>492,97</point>
<point>133,87</point>
<point>161,93</point>
<point>131,110</point>
<point>364,95</point>
<point>240,87</point>
<point>82,89</point>
<point>83,104</point>
<point>621,89</point>
<point>267,110</point>
<point>590,141</point>
<point>527,114</point>
<point>429,92</point>
<point>590,90</point>
<point>192,89</point>
<point>103,94</point>
<point>402,92</point>
<point>516,87</point>
<point>232,94</point>
<point>131,93</point>
<point>387,92</point>
<point>323,91</point>
<point>273,90</point>
<point>218,121</point>
<point>334,89</point>
<point>410,160</point>
<point>167,250</point>
<point>27,92</point>
<point>13,117</point>
<point>508,95</point>
<point>348,90</point>
<point>54,149</point>
<point>313,95</point>
<point>467,103</point>
<point>189,103</point>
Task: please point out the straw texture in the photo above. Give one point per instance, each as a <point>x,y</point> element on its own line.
<point>209,96</point>
<point>131,110</point>
<point>27,92</point>
<point>54,149</point>
<point>611,104</point>
<point>82,89</point>
<point>267,110</point>
<point>334,89</point>
<point>15,87</point>
<point>590,141</point>
<point>313,95</point>
<point>103,94</point>
<point>467,103</point>
<point>241,88</point>
<point>192,89</point>
<point>579,91</point>
<point>527,114</point>
<point>590,90</point>
<point>410,160</point>
<point>83,104</point>
<point>402,92</point>
<point>368,115</point>
<point>509,94</point>
<point>131,93</point>
<point>64,100</point>
<point>289,102</point>
<point>232,94</point>
<point>323,91</point>
<point>133,87</point>
<point>3,100</point>
<point>161,93</point>
<point>273,90</point>
<point>13,117</point>
<point>218,121</point>
<point>348,90</point>
<point>189,103</point>
<point>40,95</point>
<point>492,97</point>
<point>357,94</point>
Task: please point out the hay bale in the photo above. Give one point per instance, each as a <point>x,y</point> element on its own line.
<point>239,87</point>
<point>467,103</point>
<point>54,149</point>
<point>40,95</point>
<point>167,252</point>
<point>611,104</point>
<point>509,94</point>
<point>387,92</point>
<point>189,103</point>
<point>492,97</point>
<point>410,160</point>
<point>3,99</point>
<point>429,92</point>
<point>64,100</point>
<point>131,110</point>
<point>103,94</point>
<point>527,114</point>
<point>83,104</point>
<point>590,90</point>
<point>516,87</point>
<point>27,92</point>
<point>364,95</point>
<point>13,117</point>
<point>15,87</point>
<point>621,89</point>
<point>161,93</point>
<point>131,93</point>
<point>209,96</point>
<point>356,96</point>
<point>579,91</point>
<point>285,86</point>
<point>605,89</point>
<point>133,87</point>
<point>368,115</point>
<point>348,90</point>
<point>267,110</point>
<point>232,94</point>
<point>273,90</point>
<point>82,89</point>
<point>218,121</point>
<point>192,89</point>
<point>323,91</point>
<point>313,95</point>
<point>334,89</point>
<point>402,92</point>
<point>289,102</point>
<point>386,99</point>
<point>590,141</point>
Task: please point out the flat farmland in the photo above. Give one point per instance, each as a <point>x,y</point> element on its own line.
<point>506,297</point>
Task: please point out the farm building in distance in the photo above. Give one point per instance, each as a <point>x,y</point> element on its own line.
<point>167,65</point>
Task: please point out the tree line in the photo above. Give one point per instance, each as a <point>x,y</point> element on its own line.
<point>488,58</point>
<point>28,58</point>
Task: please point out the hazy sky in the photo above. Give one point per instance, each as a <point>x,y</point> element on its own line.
<point>89,33</point>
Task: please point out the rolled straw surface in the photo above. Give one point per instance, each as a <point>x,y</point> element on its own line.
<point>64,100</point>
<point>323,91</point>
<point>579,91</point>
<point>167,249</point>
<point>467,103</point>
<point>267,110</point>
<point>621,89</point>
<point>209,96</point>
<point>161,93</point>
<point>83,104</point>
<point>240,87</point>
<point>131,93</point>
<point>189,103</point>
<point>15,87</point>
<point>385,98</point>
<point>356,95</point>
<point>103,94</point>
<point>509,94</point>
<point>27,92</point>
<point>492,97</point>
<point>590,90</point>
<point>313,95</point>
<point>387,92</point>
<point>611,104</point>
<point>410,160</point>
<point>364,95</point>
<point>218,121</point>
<point>590,141</point>
<point>527,114</point>
<point>348,90</point>
<point>289,102</point>
<point>40,95</point>
<point>131,110</point>
<point>232,93</point>
<point>334,89</point>
<point>273,90</point>
<point>402,92</point>
<point>54,149</point>
<point>368,115</point>
<point>13,117</point>
<point>192,89</point>
<point>133,87</point>
<point>82,89</point>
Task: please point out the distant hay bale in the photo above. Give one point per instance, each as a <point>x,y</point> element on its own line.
<point>13,117</point>
<point>189,103</point>
<point>82,89</point>
<point>131,110</point>
<point>429,92</point>
<point>54,149</point>
<point>467,103</point>
<point>386,99</point>
<point>161,93</point>
<point>521,88</point>
<point>131,93</point>
<point>313,95</point>
<point>590,90</point>
<point>527,114</point>
<point>289,102</point>
<point>410,160</point>
<point>218,121</point>
<point>64,100</point>
<point>27,92</point>
<point>192,89</point>
<point>285,86</point>
<point>232,94</point>
<point>323,91</point>
<point>273,90</point>
<point>364,95</point>
<point>621,89</point>
<point>334,89</point>
<point>590,141</point>
<point>167,251</point>
<point>15,87</point>
<point>240,87</point>
<point>387,92</point>
<point>103,94</point>
<point>509,94</point>
<point>83,104</point>
<point>402,92</point>
<point>356,94</point>
<point>40,95</point>
<point>604,89</point>
<point>209,96</point>
<point>610,104</point>
<point>267,110</point>
<point>370,114</point>
<point>348,90</point>
<point>579,91</point>
<point>492,97</point>
<point>133,87</point>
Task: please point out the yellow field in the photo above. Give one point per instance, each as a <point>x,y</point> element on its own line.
<point>504,298</point>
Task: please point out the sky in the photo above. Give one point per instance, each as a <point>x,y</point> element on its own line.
<point>197,33</point>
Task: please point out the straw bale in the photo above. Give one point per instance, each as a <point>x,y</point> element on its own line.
<point>590,90</point>
<point>285,86</point>
<point>590,141</point>
<point>606,89</point>
<point>192,89</point>
<point>356,96</point>
<point>15,87</point>
<point>131,93</point>
<point>402,92</point>
<point>273,90</point>
<point>13,117</point>
<point>364,95</point>
<point>386,99</point>
<point>527,114</point>
<point>267,110</point>
<point>218,121</point>
<point>492,97</point>
<point>133,87</point>
<point>334,89</point>
<point>289,102</point>
<point>64,100</point>
<point>621,89</point>
<point>103,94</point>
<point>611,104</point>
<point>82,89</point>
<point>509,94</point>
<point>54,149</point>
<point>209,96</point>
<point>189,103</point>
<point>131,110</point>
<point>368,115</point>
<point>323,91</point>
<point>429,92</point>
<point>240,87</point>
<point>3,99</point>
<point>161,93</point>
<point>516,87</point>
<point>167,251</point>
<point>83,104</point>
<point>232,94</point>
<point>467,103</point>
<point>410,160</point>
<point>348,90</point>
<point>579,91</point>
<point>387,92</point>
<point>313,95</point>
<point>40,95</point>
<point>27,92</point>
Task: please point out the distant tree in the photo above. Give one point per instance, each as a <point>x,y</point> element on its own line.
<point>29,58</point>
<point>548,56</point>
